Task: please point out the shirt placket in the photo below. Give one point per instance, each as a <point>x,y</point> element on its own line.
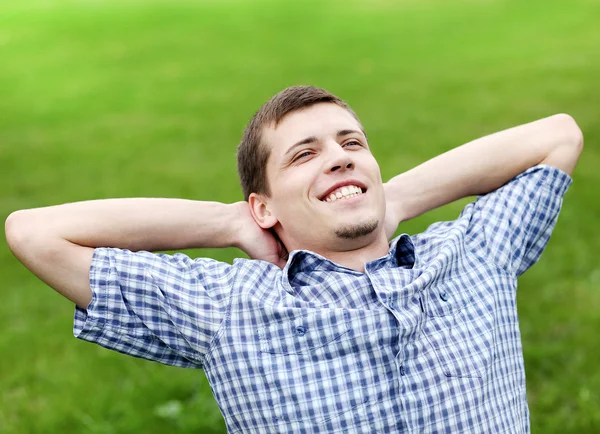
<point>397,290</point>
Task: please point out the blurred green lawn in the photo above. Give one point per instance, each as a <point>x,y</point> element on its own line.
<point>146,98</point>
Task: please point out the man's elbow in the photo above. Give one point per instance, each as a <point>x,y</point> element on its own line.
<point>15,230</point>
<point>23,234</point>
<point>568,131</point>
<point>567,141</point>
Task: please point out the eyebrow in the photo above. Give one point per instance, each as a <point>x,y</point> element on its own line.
<point>313,139</point>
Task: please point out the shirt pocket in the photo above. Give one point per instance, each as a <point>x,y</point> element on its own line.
<point>310,365</point>
<point>460,327</point>
<point>304,333</point>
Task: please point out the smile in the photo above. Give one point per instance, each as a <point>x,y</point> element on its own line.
<point>345,192</point>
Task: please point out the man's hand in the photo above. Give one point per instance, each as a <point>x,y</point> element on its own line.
<point>256,242</point>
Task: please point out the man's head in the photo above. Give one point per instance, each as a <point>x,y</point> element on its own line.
<point>307,172</point>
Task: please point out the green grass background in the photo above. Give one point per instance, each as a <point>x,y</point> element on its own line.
<point>149,98</point>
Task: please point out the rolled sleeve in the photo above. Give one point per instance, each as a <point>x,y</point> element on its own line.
<point>165,308</point>
<point>518,218</point>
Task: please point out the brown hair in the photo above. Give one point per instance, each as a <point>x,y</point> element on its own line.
<point>253,154</point>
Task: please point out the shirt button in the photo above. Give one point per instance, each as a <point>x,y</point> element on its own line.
<point>391,304</point>
<point>444,296</point>
<point>300,330</point>
<point>402,371</point>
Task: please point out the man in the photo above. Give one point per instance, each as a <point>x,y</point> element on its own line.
<point>347,333</point>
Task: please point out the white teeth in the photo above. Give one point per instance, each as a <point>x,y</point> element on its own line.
<point>345,192</point>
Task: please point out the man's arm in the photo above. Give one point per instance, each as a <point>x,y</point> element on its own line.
<point>56,243</point>
<point>483,165</point>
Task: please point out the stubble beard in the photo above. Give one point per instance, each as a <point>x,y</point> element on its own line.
<point>352,232</point>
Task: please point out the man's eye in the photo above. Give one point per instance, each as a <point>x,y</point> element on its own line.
<point>352,143</point>
<point>302,155</point>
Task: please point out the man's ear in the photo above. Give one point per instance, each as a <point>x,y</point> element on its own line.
<point>260,211</point>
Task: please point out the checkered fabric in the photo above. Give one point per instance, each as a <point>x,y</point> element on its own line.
<point>425,340</point>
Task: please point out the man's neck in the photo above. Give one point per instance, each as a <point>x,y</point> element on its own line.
<point>356,259</point>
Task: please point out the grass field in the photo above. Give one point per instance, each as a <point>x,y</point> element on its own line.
<point>145,98</point>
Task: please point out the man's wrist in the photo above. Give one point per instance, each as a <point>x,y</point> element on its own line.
<point>392,212</point>
<point>237,218</point>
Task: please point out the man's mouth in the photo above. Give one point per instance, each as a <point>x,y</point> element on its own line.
<point>345,192</point>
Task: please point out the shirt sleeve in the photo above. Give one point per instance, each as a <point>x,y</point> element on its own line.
<point>518,218</point>
<point>165,308</point>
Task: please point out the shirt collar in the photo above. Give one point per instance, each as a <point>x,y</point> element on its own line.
<point>402,253</point>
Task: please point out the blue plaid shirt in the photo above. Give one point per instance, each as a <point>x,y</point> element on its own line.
<point>425,340</point>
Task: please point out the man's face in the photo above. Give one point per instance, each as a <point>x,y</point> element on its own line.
<point>326,188</point>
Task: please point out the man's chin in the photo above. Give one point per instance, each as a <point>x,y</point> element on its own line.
<point>357,230</point>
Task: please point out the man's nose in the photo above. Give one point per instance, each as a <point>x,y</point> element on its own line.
<point>339,160</point>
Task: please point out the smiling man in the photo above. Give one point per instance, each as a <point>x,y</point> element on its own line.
<point>348,332</point>
<point>322,188</point>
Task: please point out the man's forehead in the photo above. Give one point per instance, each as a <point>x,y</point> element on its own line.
<point>324,119</point>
